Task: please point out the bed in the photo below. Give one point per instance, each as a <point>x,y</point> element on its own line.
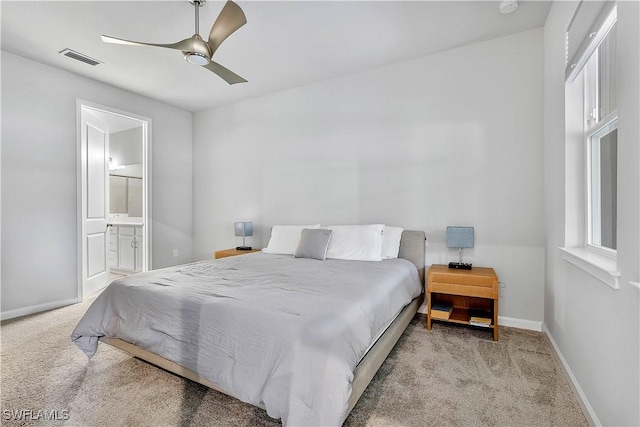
<point>304,349</point>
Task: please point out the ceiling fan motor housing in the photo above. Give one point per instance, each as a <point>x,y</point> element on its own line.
<point>199,53</point>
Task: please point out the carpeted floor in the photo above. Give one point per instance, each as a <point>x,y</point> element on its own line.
<point>448,376</point>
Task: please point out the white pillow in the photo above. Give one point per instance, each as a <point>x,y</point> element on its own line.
<point>285,238</point>
<point>356,242</point>
<point>391,241</point>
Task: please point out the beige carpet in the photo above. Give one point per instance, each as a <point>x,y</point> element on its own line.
<point>448,376</point>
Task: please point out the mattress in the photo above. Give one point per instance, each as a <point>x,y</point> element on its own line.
<point>275,331</point>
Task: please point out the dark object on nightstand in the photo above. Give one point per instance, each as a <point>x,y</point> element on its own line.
<point>460,265</point>
<point>243,248</point>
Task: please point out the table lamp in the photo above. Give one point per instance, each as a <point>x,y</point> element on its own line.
<point>243,229</point>
<point>460,237</point>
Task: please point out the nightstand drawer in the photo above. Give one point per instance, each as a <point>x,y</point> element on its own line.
<point>464,289</point>
<point>478,276</point>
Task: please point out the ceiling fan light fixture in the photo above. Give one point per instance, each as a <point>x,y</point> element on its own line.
<point>196,58</point>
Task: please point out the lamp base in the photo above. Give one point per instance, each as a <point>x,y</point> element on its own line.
<point>243,248</point>
<point>460,265</point>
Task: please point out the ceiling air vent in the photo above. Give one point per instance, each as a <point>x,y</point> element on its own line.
<point>79,57</point>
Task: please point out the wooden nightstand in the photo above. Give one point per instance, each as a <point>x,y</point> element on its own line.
<point>232,252</point>
<point>463,290</point>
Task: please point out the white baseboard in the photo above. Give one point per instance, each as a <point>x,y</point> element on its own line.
<point>587,409</point>
<point>520,323</point>
<point>36,308</point>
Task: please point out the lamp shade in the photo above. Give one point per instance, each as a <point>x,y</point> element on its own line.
<point>459,237</point>
<point>243,229</point>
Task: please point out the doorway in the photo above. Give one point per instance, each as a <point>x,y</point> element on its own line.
<point>114,176</point>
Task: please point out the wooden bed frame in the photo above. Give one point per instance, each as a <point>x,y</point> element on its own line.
<point>412,248</point>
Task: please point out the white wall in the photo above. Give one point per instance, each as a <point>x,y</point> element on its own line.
<point>453,138</point>
<point>595,328</point>
<point>39,180</point>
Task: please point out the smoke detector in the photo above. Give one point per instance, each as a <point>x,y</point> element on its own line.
<point>508,6</point>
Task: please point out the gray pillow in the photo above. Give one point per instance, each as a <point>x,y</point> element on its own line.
<point>313,244</point>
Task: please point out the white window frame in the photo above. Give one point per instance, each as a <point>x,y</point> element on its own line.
<point>593,223</point>
<point>599,261</point>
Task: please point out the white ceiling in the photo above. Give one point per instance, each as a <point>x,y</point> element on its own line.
<point>285,44</point>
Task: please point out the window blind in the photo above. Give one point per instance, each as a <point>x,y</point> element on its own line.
<point>584,33</point>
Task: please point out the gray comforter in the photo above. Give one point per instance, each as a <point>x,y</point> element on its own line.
<point>272,330</point>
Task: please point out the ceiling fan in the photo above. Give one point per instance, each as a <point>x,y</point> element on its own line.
<point>195,49</point>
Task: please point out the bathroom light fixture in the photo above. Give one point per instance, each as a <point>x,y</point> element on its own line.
<point>113,166</point>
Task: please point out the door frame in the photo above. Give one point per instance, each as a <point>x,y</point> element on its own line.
<point>82,105</point>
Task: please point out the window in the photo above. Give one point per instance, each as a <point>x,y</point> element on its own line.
<point>591,145</point>
<point>601,139</point>
<point>602,210</point>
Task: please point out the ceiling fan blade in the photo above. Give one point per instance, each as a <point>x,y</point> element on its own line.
<point>226,74</point>
<point>181,45</point>
<point>230,19</point>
